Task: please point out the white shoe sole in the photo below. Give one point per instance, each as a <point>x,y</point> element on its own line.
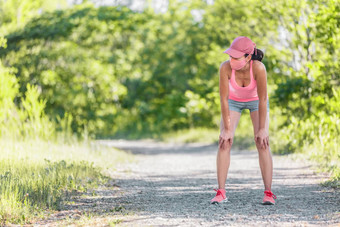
<point>223,201</point>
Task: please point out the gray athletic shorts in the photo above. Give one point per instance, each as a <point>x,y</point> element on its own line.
<point>239,106</point>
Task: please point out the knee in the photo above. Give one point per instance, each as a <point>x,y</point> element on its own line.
<point>225,146</point>
<point>262,149</point>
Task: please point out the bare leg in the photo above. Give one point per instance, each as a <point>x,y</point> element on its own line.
<point>223,156</point>
<point>265,157</point>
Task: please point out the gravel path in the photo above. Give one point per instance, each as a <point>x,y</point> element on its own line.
<point>172,184</point>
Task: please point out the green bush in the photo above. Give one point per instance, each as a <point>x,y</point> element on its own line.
<point>41,162</point>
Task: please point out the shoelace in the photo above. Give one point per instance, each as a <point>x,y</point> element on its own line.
<point>219,192</point>
<point>270,194</point>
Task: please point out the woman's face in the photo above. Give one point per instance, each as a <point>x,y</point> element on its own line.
<point>239,63</point>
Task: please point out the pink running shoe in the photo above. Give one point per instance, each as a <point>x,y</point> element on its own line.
<point>268,198</point>
<point>220,196</point>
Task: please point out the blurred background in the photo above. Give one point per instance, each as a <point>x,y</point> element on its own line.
<point>76,71</point>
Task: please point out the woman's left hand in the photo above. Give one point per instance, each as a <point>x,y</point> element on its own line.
<point>262,138</point>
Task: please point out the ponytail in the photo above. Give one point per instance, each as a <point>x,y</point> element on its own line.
<point>258,56</point>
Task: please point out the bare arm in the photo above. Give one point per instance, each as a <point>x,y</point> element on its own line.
<point>261,79</point>
<point>224,93</point>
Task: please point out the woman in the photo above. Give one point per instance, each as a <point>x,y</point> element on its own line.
<point>243,85</point>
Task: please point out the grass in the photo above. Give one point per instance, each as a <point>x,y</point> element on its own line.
<point>115,222</point>
<point>36,175</point>
<point>327,158</point>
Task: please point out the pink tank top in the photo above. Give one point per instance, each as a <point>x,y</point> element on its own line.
<point>243,94</point>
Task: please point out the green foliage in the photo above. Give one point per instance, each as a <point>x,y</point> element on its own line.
<point>15,13</point>
<point>75,69</point>
<point>28,121</point>
<point>309,94</point>
<point>110,71</point>
<point>29,181</point>
<point>118,72</point>
<point>35,123</point>
<point>8,91</point>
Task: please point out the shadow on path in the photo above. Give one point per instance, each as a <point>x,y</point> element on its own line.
<point>172,183</point>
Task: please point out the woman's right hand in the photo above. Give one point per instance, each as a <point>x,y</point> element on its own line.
<point>225,139</point>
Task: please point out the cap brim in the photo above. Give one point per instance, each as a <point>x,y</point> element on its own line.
<point>234,53</point>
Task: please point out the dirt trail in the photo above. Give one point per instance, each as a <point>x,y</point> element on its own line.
<point>172,184</point>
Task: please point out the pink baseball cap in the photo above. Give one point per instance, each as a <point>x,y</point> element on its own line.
<point>240,46</point>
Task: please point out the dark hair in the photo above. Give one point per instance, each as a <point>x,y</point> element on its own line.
<point>259,55</point>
